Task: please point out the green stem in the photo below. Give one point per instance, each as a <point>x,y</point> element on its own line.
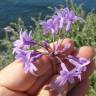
<point>53,37</point>
<point>58,38</point>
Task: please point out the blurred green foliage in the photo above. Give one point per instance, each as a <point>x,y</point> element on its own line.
<point>83,34</point>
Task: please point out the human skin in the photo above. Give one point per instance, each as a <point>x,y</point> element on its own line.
<point>15,82</point>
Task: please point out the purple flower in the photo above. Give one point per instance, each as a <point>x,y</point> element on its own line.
<point>66,75</point>
<point>79,63</point>
<point>70,19</point>
<point>58,49</point>
<point>27,39</point>
<point>24,42</point>
<point>46,44</point>
<point>62,17</point>
<point>61,13</point>
<point>58,21</point>
<point>28,58</point>
<point>67,17</point>
<point>51,25</point>
<point>68,26</point>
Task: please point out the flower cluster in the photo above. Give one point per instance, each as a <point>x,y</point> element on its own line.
<point>69,76</point>
<point>24,42</point>
<point>21,49</point>
<point>63,18</point>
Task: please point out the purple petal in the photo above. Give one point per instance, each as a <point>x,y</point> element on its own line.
<point>68,26</point>
<point>76,18</point>
<point>18,43</point>
<point>33,69</point>
<point>46,44</point>
<point>84,61</point>
<point>71,16</point>
<point>71,79</point>
<point>36,57</point>
<point>64,67</point>
<point>61,23</point>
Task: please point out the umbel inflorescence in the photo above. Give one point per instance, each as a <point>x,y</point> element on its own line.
<point>62,19</point>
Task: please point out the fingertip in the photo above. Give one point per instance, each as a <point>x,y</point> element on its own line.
<point>86,52</point>
<point>68,42</point>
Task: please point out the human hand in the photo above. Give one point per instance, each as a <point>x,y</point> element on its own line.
<point>15,82</point>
